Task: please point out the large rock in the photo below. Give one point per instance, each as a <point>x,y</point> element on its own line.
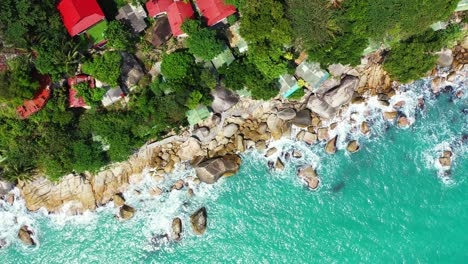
<point>445,161</point>
<point>403,122</point>
<point>309,177</point>
<point>309,138</point>
<point>176,229</point>
<point>279,165</point>
<point>365,128</point>
<point>126,211</point>
<point>342,94</point>
<point>230,130</point>
<point>353,146</point>
<point>275,125</point>
<point>286,114</point>
<point>24,234</point>
<point>190,149</point>
<point>390,115</point>
<point>328,103</point>
<point>445,58</point>
<point>320,107</point>
<point>330,147</point>
<point>119,200</point>
<point>5,187</point>
<point>223,100</point>
<point>202,133</point>
<point>322,133</point>
<point>303,118</point>
<point>199,221</point>
<point>211,170</point>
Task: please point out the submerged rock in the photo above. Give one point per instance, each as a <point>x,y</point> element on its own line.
<point>445,162</point>
<point>176,229</point>
<point>126,211</point>
<point>199,221</point>
<point>211,170</point>
<point>330,147</point>
<point>24,234</point>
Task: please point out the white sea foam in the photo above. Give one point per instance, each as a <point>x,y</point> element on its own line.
<point>13,217</point>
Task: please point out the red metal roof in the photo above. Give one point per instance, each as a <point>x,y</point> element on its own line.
<point>177,13</point>
<point>157,7</point>
<point>79,15</point>
<point>215,10</point>
<point>74,101</point>
<point>32,106</point>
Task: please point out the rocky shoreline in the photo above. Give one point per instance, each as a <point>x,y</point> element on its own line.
<point>212,148</point>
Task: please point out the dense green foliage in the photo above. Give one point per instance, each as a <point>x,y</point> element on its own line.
<point>310,22</point>
<point>17,83</point>
<point>358,21</point>
<point>412,58</point>
<point>105,67</point>
<point>242,73</point>
<point>177,65</point>
<point>118,36</point>
<point>202,42</point>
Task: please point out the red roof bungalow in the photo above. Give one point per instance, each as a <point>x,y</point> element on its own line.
<point>177,13</point>
<point>215,10</point>
<point>73,100</point>
<point>80,15</point>
<point>158,7</point>
<point>32,106</point>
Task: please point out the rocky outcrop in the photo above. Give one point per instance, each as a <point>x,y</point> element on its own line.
<point>199,221</point>
<point>24,234</point>
<point>211,170</point>
<point>72,189</point>
<point>176,229</point>
<point>126,212</point>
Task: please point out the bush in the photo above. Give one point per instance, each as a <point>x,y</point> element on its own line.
<point>118,36</point>
<point>105,68</point>
<point>177,65</point>
<point>202,42</point>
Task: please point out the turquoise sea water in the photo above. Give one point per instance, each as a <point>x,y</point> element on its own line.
<point>387,203</point>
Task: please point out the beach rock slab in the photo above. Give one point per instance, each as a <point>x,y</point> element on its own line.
<point>199,221</point>
<point>211,170</point>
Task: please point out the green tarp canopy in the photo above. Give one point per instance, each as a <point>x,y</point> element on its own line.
<point>197,115</point>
